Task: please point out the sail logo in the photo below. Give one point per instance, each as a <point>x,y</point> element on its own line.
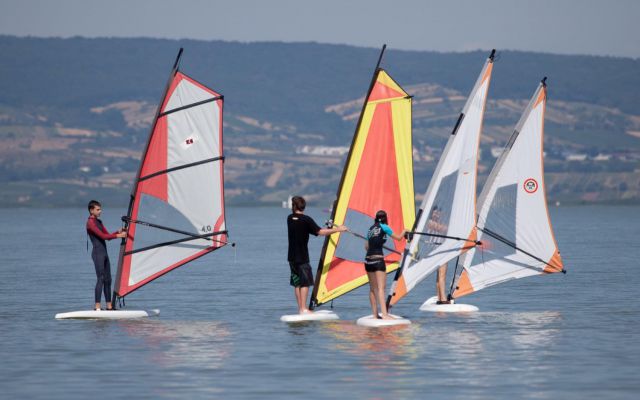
<point>188,142</point>
<point>530,185</point>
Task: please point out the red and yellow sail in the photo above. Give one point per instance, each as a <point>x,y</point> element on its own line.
<point>378,176</point>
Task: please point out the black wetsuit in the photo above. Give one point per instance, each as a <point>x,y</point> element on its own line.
<point>99,235</point>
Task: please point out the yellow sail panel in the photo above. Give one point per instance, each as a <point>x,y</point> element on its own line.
<point>378,176</point>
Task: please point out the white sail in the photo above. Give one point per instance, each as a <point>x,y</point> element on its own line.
<point>449,205</point>
<point>513,221</point>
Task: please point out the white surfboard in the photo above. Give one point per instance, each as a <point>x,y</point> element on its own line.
<point>106,314</point>
<point>371,321</point>
<point>321,315</point>
<point>431,306</point>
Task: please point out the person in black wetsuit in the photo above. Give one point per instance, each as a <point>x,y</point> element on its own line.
<point>374,262</point>
<point>299,227</point>
<point>98,235</point>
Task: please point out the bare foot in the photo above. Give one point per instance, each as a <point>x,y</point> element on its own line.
<point>306,311</point>
<point>387,316</point>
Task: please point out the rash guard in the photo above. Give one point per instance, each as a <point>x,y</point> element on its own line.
<point>376,236</point>
<point>98,233</point>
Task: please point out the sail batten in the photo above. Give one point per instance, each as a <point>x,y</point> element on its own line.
<point>446,223</point>
<point>177,204</point>
<point>378,174</point>
<point>193,164</point>
<point>198,103</point>
<point>513,219</point>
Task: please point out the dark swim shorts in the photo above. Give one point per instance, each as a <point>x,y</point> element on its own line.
<point>301,274</point>
<point>375,265</point>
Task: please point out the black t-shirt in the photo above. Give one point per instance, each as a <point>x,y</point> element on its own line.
<point>299,227</point>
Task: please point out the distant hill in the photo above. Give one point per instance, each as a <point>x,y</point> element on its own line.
<point>74,114</point>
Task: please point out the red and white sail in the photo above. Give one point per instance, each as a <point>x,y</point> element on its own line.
<point>177,209</point>
<point>449,206</point>
<point>513,221</point>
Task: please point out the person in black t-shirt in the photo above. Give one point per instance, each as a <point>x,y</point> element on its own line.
<point>299,227</point>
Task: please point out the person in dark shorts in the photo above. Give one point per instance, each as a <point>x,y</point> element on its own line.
<point>299,227</point>
<point>98,235</point>
<point>374,262</point>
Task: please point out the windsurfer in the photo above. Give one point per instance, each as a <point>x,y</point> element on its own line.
<point>98,235</point>
<point>436,226</point>
<point>299,227</point>
<point>374,262</point>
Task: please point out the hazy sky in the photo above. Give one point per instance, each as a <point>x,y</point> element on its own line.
<point>557,26</point>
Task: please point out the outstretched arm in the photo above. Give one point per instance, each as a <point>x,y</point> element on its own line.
<point>395,236</point>
<point>330,231</point>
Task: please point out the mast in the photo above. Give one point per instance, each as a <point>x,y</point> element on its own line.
<point>312,301</point>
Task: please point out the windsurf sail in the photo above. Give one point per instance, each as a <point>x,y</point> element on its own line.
<point>514,227</point>
<point>378,175</point>
<point>176,211</point>
<point>445,225</point>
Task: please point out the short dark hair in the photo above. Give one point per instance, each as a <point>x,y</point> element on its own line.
<point>93,204</point>
<point>381,216</point>
<point>298,203</point>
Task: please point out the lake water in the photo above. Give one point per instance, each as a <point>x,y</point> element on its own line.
<point>218,336</point>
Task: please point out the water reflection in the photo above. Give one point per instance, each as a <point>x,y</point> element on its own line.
<point>531,330</point>
<point>202,344</point>
<point>377,347</point>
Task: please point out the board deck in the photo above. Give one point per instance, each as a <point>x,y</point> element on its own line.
<point>431,306</point>
<point>371,321</point>
<point>105,314</point>
<point>322,315</point>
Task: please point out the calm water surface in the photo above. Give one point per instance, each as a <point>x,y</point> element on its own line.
<point>218,336</point>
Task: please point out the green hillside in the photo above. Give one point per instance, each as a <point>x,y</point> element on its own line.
<point>74,114</point>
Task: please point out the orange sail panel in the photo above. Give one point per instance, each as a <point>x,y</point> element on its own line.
<point>177,209</point>
<point>378,176</point>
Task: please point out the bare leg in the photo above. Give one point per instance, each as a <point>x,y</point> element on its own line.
<point>381,278</point>
<point>440,282</point>
<point>373,283</point>
<point>296,291</point>
<point>302,305</point>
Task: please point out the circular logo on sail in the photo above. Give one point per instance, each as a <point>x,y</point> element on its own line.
<point>530,185</point>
